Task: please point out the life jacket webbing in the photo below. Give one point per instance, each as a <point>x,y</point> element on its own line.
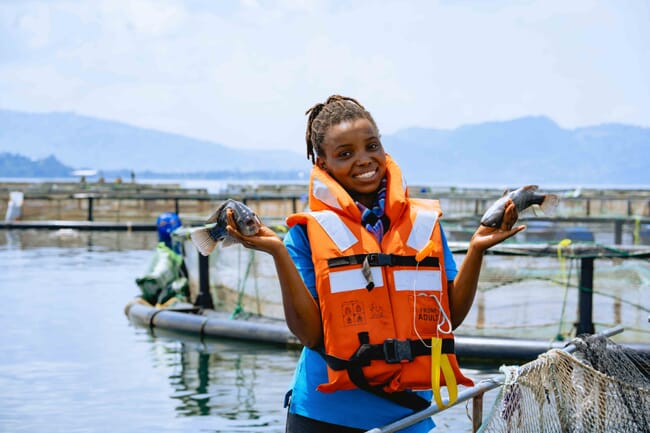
<point>391,351</point>
<point>381,259</point>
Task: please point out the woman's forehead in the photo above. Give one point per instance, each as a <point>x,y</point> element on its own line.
<point>351,129</point>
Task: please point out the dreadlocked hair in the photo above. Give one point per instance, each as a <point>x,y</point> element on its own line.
<point>335,110</point>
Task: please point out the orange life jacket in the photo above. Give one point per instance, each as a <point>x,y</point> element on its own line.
<point>378,326</point>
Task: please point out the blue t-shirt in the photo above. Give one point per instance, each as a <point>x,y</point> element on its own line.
<point>354,408</point>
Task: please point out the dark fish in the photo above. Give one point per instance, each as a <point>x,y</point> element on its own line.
<point>523,198</point>
<point>206,238</point>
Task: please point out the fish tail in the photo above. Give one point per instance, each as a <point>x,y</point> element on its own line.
<point>203,240</point>
<point>550,204</point>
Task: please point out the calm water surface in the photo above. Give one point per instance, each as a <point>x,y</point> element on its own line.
<point>71,362</point>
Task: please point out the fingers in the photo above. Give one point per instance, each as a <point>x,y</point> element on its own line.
<point>232,226</point>
<point>510,216</point>
<point>233,231</point>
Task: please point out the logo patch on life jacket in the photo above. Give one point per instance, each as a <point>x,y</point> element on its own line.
<point>427,314</point>
<point>353,313</point>
<point>376,311</point>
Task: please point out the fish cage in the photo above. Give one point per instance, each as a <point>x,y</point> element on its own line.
<point>548,291</point>
<point>559,290</point>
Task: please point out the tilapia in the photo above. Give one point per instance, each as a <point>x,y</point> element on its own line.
<point>523,198</point>
<point>205,238</point>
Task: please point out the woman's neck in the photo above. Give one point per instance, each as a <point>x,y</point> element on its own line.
<point>365,199</point>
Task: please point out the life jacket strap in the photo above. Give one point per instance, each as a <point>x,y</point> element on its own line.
<point>381,259</point>
<point>391,351</point>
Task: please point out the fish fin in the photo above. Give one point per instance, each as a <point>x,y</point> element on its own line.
<point>550,204</point>
<point>203,241</point>
<point>215,216</point>
<point>228,241</point>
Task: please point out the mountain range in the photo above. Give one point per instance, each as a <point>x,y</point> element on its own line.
<point>513,152</point>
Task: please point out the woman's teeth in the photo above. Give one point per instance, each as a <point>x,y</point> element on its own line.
<point>366,174</point>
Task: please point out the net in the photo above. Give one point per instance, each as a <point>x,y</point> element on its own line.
<point>604,387</point>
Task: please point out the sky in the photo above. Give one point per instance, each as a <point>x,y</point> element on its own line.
<point>243,73</point>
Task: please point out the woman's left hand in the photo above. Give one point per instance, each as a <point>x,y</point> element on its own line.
<point>485,237</point>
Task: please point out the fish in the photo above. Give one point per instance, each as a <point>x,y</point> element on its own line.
<point>206,237</point>
<point>523,198</point>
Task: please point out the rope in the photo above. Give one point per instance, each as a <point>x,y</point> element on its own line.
<point>239,307</point>
<point>565,278</point>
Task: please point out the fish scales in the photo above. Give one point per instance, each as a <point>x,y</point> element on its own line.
<point>206,237</point>
<point>522,198</point>
<point>246,220</point>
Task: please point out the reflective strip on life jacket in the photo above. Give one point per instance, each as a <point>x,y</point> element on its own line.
<point>425,222</point>
<point>335,229</point>
<point>353,279</point>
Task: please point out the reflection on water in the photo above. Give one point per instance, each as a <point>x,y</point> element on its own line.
<point>224,378</point>
<point>71,362</point>
<point>70,238</point>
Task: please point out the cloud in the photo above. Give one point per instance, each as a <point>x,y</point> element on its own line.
<point>244,73</point>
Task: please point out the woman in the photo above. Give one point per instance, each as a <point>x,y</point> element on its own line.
<point>368,283</point>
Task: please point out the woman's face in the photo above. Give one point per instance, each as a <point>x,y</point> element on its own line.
<point>353,155</point>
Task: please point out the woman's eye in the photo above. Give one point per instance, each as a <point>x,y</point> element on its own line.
<point>345,154</point>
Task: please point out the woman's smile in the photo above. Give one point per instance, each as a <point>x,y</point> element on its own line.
<point>353,155</point>
<point>367,174</point>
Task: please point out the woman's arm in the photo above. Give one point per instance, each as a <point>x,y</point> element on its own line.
<point>300,309</point>
<point>463,288</point>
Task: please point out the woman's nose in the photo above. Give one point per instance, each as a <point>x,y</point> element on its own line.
<point>364,158</point>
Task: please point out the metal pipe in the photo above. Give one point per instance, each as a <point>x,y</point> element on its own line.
<point>204,299</point>
<point>586,297</point>
<point>618,232</point>
<point>480,389</point>
<point>477,412</point>
<point>90,208</point>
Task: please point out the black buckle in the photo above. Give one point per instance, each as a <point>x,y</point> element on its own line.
<point>379,259</point>
<point>396,351</point>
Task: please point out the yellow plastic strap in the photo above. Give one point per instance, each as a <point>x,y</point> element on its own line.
<point>450,378</point>
<point>436,355</point>
<point>440,362</point>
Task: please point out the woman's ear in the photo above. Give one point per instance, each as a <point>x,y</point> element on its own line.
<point>321,163</point>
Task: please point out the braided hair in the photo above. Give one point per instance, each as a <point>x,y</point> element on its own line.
<point>335,110</point>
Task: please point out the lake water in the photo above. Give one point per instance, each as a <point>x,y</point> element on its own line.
<point>71,361</point>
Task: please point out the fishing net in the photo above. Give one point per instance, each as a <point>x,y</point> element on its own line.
<point>604,387</point>
<point>532,291</point>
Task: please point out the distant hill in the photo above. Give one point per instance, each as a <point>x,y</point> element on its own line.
<point>13,165</point>
<point>86,142</point>
<point>524,150</point>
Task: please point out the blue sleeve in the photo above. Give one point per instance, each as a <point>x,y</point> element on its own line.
<point>299,249</point>
<point>450,263</point>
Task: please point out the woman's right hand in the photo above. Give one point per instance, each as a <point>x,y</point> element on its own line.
<point>265,239</point>
<point>300,309</point>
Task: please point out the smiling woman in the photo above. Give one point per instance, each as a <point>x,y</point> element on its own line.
<point>345,143</point>
<point>354,157</point>
<point>347,271</point>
